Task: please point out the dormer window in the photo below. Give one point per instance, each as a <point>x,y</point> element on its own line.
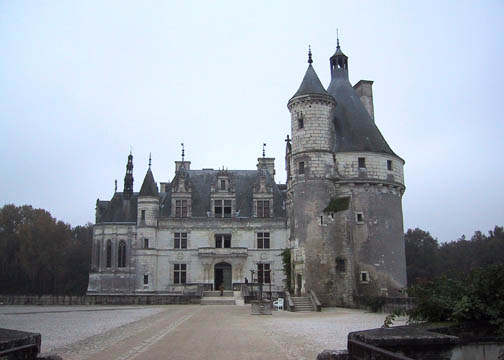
<point>223,185</point>
<point>263,208</point>
<point>222,208</point>
<point>181,208</point>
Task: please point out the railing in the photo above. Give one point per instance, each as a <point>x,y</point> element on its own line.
<point>362,351</point>
<point>315,301</point>
<point>223,252</point>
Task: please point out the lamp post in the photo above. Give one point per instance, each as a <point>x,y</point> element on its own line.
<point>252,272</point>
<point>260,279</point>
<point>270,279</point>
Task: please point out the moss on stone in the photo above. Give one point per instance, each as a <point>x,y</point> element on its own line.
<point>338,204</point>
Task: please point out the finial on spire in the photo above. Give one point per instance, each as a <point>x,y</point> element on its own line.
<point>264,150</point>
<point>131,150</point>
<point>150,160</point>
<point>337,38</point>
<point>115,187</point>
<point>310,60</point>
<point>183,151</point>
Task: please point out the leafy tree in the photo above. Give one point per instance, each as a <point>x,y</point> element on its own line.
<point>422,255</point>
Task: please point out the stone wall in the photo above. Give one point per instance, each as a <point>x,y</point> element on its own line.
<point>376,166</point>
<point>99,299</point>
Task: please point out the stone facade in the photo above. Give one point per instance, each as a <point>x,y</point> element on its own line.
<point>340,212</point>
<point>183,239</point>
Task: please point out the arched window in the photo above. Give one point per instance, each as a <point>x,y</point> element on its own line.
<point>109,253</point>
<point>121,254</point>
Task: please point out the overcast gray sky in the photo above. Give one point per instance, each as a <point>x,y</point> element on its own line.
<point>82,81</point>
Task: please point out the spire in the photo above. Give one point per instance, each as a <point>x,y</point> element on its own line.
<point>128,178</point>
<point>311,83</point>
<point>149,186</point>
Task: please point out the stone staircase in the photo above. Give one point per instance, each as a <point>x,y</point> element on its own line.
<point>214,298</point>
<point>302,304</point>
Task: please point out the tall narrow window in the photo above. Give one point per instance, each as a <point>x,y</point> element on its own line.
<point>146,279</point>
<point>263,273</point>
<point>223,241</point>
<point>301,168</point>
<point>263,209</point>
<point>98,251</point>
<point>181,208</point>
<point>222,208</point>
<point>223,184</point>
<point>263,240</point>
<point>121,254</point>
<point>180,241</point>
<point>362,163</point>
<point>142,215</point>
<point>389,165</point>
<point>300,121</point>
<point>146,243</point>
<point>109,253</point>
<point>179,273</point>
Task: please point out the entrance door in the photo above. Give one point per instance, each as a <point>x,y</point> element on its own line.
<point>223,275</point>
<point>299,284</point>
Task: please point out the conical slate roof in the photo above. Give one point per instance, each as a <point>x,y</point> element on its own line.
<point>311,84</point>
<point>354,128</point>
<point>149,186</point>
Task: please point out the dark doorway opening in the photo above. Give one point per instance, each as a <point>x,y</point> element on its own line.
<point>299,284</point>
<point>223,275</point>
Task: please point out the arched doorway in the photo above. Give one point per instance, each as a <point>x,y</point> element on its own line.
<point>223,275</point>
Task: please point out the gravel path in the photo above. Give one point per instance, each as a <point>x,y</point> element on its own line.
<point>81,332</point>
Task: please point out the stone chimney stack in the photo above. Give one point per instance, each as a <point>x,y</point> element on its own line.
<point>364,88</point>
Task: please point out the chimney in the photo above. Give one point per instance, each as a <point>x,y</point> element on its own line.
<point>364,88</point>
<point>268,164</point>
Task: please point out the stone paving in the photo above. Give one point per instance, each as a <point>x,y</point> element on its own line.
<point>185,331</point>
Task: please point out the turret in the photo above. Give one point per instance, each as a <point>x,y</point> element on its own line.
<point>148,201</point>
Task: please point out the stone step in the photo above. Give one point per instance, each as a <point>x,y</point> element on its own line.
<point>217,301</point>
<point>226,293</point>
<point>303,304</point>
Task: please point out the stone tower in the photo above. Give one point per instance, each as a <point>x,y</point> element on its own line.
<point>344,191</point>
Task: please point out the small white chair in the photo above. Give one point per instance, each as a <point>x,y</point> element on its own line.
<point>278,304</point>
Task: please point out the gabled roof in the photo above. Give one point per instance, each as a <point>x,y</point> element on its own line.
<point>311,84</point>
<point>149,186</point>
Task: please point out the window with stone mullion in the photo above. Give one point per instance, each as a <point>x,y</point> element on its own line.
<point>263,273</point>
<point>263,240</point>
<point>223,241</point>
<point>263,208</point>
<point>180,241</point>
<point>222,208</point>
<point>179,273</point>
<point>180,208</point>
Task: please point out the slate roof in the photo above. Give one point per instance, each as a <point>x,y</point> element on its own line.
<point>118,209</point>
<point>311,84</point>
<point>243,182</point>
<point>149,186</point>
<point>354,128</point>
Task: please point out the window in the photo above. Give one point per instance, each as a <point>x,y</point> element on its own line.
<point>180,241</point>
<point>300,121</point>
<point>340,265</point>
<point>121,254</point>
<point>301,168</point>
<point>263,240</point>
<point>98,251</point>
<point>146,279</point>
<point>263,273</point>
<point>362,163</point>
<point>109,253</point>
<point>222,208</point>
<point>359,217</point>
<point>146,243</point>
<point>364,277</point>
<point>142,216</point>
<point>389,165</point>
<point>263,208</point>
<point>223,241</point>
<point>223,184</point>
<point>180,208</point>
<point>179,273</point>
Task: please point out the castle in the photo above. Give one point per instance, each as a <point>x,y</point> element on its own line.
<point>339,213</point>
